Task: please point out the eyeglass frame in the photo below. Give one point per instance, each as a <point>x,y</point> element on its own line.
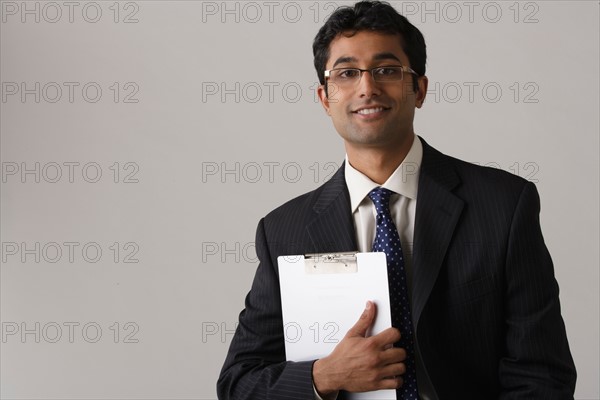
<point>403,68</point>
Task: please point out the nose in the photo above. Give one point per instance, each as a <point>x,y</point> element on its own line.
<point>367,87</point>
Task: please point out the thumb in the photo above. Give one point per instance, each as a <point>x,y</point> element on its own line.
<point>365,321</point>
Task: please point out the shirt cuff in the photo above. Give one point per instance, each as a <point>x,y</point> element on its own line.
<point>332,396</point>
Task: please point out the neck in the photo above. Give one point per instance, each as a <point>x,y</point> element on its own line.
<point>378,164</point>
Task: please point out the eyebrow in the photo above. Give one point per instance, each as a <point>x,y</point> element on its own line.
<point>376,57</point>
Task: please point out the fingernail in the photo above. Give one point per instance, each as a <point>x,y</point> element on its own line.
<point>368,307</point>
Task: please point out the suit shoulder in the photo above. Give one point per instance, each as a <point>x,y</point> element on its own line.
<point>301,202</point>
<point>475,184</point>
<point>444,166</point>
<point>491,173</point>
<point>297,209</point>
<point>488,178</point>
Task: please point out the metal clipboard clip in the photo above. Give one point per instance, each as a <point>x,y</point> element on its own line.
<point>330,263</point>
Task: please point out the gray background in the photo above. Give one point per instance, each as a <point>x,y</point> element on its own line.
<point>215,124</point>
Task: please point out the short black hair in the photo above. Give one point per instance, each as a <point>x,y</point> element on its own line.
<point>375,16</point>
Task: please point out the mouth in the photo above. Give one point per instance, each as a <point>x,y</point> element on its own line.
<point>371,112</point>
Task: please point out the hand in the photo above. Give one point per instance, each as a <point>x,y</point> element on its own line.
<point>359,363</point>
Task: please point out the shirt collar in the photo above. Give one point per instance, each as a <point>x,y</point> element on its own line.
<point>404,180</point>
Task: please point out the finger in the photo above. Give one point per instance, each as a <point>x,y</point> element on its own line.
<point>394,355</point>
<point>393,382</point>
<point>393,370</point>
<point>365,321</point>
<point>386,337</point>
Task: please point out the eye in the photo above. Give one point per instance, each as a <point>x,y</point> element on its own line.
<point>387,71</point>
<point>347,73</point>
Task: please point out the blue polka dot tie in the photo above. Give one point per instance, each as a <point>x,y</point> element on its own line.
<point>387,240</point>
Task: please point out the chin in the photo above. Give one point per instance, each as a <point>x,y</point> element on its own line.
<point>369,142</point>
<point>371,138</point>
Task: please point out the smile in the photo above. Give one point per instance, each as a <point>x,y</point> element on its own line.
<point>366,111</point>
<point>371,112</point>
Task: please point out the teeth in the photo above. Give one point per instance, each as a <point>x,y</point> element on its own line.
<point>369,110</point>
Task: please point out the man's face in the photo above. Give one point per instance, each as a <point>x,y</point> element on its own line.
<point>393,102</point>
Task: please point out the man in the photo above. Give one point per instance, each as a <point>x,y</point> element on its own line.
<point>478,285</point>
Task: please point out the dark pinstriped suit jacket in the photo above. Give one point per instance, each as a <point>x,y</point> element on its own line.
<point>485,300</point>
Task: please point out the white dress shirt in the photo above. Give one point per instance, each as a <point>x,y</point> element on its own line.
<point>404,181</point>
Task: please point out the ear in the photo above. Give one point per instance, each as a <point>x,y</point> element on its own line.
<point>421,91</point>
<point>323,98</point>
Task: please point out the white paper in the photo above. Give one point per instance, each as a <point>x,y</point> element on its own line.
<point>318,309</point>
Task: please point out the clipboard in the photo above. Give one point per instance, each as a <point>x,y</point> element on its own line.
<point>322,297</point>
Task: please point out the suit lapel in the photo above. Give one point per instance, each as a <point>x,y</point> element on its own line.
<point>332,229</point>
<point>437,213</point>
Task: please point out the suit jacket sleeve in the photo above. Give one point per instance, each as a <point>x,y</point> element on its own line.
<point>256,367</point>
<point>538,362</point>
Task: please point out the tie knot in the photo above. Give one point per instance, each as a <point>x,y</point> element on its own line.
<point>381,198</point>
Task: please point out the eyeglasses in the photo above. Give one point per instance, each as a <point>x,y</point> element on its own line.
<point>350,76</point>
